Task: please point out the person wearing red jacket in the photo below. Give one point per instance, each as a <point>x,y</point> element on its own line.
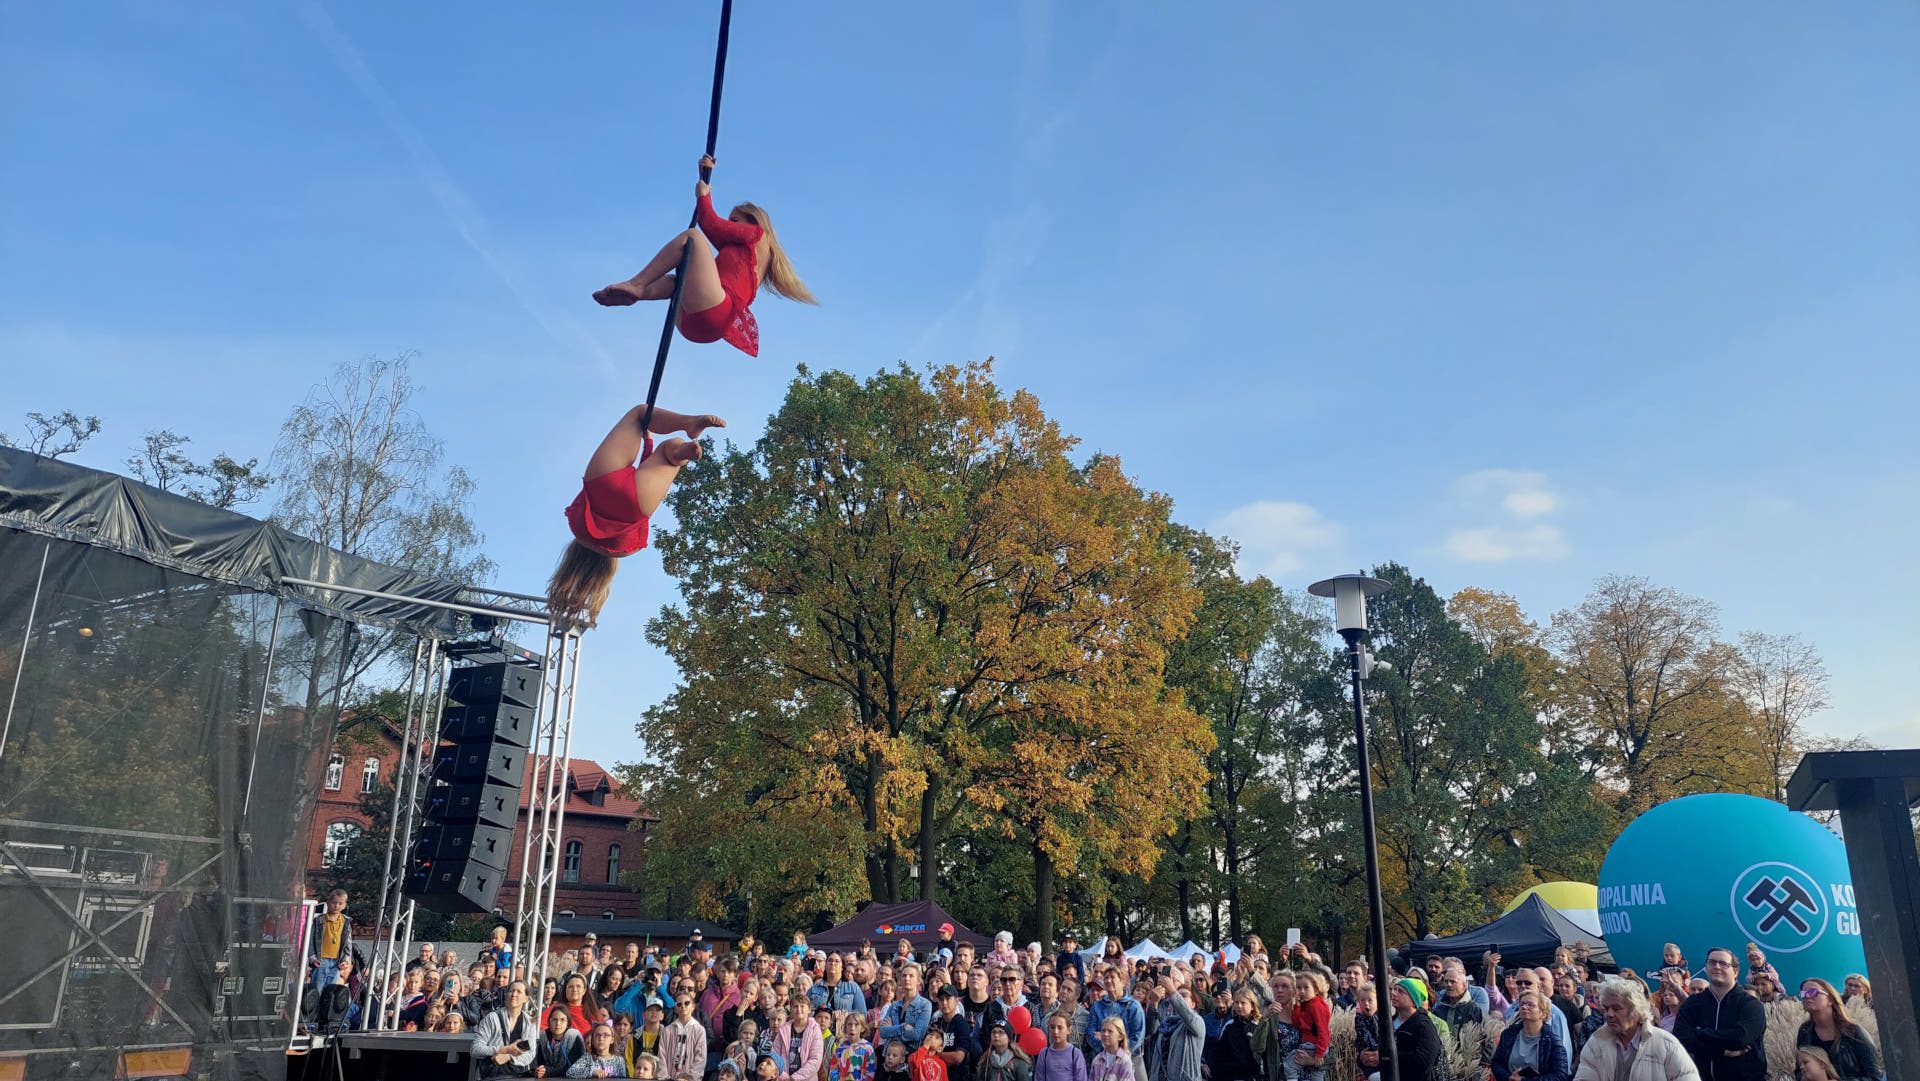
<point>1313,1017</point>
<point>926,1063</point>
<point>717,296</point>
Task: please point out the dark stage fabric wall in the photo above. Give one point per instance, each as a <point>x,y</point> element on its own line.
<point>164,735</point>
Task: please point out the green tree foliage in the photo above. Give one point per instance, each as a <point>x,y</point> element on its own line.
<point>1460,773</point>
<point>907,610</point>
<point>54,436</point>
<point>219,482</point>
<point>1254,666</point>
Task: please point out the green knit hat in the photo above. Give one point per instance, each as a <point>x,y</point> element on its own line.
<point>1416,991</point>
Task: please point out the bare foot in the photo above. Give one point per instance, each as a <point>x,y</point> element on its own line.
<point>698,424</point>
<point>620,294</point>
<point>680,451</point>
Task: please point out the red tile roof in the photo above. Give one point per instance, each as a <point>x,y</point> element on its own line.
<point>588,776</point>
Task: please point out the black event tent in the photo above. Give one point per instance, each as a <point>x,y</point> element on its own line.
<point>884,925</point>
<point>1526,936</point>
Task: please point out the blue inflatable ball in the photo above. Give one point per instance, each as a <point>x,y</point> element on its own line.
<point>1726,870</point>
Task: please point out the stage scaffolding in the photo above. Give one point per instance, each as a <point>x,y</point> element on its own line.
<point>545,793</point>
<point>171,679</point>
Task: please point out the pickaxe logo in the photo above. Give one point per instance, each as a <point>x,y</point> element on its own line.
<point>1780,906</point>
<point>1784,898</point>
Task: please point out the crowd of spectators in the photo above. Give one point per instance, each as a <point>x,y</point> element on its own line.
<point>949,1012</point>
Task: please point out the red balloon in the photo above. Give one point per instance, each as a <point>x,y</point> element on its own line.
<point>1033,1041</point>
<point>1021,1019</point>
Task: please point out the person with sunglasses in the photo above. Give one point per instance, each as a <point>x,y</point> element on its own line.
<point>1828,1029</point>
<point>1540,980</point>
<point>1012,995</point>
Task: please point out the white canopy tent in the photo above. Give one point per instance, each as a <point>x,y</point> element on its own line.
<point>1148,950</point>
<point>1186,950</point>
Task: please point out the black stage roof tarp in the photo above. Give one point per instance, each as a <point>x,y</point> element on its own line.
<point>1526,936</point>
<point>60,499</point>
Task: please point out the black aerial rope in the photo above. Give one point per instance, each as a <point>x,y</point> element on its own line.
<point>680,275</point>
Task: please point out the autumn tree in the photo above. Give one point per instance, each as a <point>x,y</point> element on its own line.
<point>1254,666</point>
<point>1458,759</point>
<point>1495,621</point>
<point>1783,682</point>
<point>896,603</point>
<point>1654,688</point>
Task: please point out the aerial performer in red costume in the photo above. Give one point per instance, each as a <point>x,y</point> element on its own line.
<point>625,481</point>
<point>717,296</point>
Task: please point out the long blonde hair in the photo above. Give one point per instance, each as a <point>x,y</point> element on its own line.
<point>580,584</point>
<point>1841,1022</point>
<point>780,278</point>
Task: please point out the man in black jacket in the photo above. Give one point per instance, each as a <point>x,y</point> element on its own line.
<point>1416,1043</point>
<point>1724,1028</point>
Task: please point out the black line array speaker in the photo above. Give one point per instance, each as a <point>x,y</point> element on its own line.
<point>464,848</point>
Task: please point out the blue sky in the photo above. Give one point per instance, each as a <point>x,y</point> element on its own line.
<point>1517,294</point>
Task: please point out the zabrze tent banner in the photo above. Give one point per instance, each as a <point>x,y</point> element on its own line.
<point>883,926</point>
<point>1526,936</point>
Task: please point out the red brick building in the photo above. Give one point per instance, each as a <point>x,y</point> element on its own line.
<point>603,837</point>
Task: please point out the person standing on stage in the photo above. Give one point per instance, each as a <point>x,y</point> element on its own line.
<point>331,934</point>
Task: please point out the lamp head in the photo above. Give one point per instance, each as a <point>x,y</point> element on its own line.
<point>1349,593</point>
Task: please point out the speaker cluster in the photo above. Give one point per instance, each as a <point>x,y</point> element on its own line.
<point>460,857</point>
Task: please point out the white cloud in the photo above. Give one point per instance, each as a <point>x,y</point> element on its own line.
<point>1523,493</point>
<point>1521,498</point>
<point>1497,544</point>
<point>1276,537</point>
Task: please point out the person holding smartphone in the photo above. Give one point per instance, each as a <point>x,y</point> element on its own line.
<point>1530,1049</point>
<point>504,1042</point>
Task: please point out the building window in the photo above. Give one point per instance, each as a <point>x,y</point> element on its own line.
<point>572,873</point>
<point>566,913</point>
<point>607,915</point>
<point>369,774</point>
<point>336,768</point>
<point>613,863</point>
<point>340,838</point>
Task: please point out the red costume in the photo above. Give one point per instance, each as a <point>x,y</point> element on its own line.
<point>606,515</point>
<point>729,319</point>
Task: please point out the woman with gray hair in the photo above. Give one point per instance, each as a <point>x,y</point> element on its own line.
<point>1630,1047</point>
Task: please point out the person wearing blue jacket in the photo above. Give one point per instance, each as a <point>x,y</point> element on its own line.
<point>1115,1003</point>
<point>907,1019</point>
<point>1530,1043</point>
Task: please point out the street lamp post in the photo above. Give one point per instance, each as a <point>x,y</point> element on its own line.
<point>1350,593</point>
